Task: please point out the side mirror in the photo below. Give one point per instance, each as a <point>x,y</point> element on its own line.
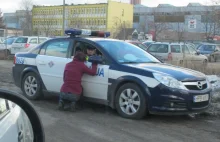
<point>197,53</point>
<point>23,122</point>
<point>216,50</point>
<point>96,59</point>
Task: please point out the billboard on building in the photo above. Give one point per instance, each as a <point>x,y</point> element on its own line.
<point>192,24</point>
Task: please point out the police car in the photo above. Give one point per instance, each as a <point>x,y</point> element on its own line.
<point>128,78</point>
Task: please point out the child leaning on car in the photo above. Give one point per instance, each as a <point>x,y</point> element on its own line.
<point>71,89</point>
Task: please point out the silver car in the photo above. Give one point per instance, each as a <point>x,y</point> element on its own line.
<point>176,52</point>
<point>26,43</point>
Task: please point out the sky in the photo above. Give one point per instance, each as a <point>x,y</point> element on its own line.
<point>13,5</point>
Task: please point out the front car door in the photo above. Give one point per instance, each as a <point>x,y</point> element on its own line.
<point>186,54</point>
<point>196,58</point>
<point>51,62</point>
<point>95,87</point>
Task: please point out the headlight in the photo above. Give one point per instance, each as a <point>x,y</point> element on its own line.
<point>169,81</point>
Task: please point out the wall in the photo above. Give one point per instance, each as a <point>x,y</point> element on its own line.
<point>115,10</point>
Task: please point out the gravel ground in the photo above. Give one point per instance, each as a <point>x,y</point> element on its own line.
<point>95,123</point>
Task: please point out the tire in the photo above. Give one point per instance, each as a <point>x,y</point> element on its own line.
<point>134,111</point>
<point>35,85</point>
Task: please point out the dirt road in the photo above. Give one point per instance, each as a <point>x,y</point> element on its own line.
<point>97,124</point>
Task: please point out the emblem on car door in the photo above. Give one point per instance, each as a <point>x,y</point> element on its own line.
<point>51,64</point>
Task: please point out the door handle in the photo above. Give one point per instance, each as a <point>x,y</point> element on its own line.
<point>41,63</point>
<point>20,136</point>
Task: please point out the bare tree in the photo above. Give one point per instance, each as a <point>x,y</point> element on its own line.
<point>120,28</point>
<point>2,25</point>
<point>180,32</point>
<point>25,17</point>
<point>158,28</point>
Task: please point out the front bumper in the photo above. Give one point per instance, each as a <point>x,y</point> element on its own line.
<point>168,101</point>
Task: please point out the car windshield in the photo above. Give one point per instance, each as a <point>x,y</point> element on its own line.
<point>124,52</point>
<point>9,41</point>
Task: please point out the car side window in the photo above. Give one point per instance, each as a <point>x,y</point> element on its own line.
<point>56,48</point>
<point>175,48</point>
<point>4,108</point>
<point>185,49</point>
<point>191,49</point>
<point>158,48</point>
<point>33,40</point>
<point>82,46</point>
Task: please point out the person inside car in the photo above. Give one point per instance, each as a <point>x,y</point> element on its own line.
<point>90,51</point>
<point>71,89</point>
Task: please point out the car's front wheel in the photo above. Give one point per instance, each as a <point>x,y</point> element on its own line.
<point>31,86</point>
<point>131,102</point>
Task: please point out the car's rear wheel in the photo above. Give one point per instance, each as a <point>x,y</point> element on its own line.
<point>31,86</point>
<point>130,102</point>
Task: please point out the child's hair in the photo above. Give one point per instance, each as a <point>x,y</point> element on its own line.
<point>80,56</point>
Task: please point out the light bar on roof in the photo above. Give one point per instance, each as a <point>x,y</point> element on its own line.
<point>75,32</point>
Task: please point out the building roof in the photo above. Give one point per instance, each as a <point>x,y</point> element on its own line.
<point>165,5</point>
<point>194,4</point>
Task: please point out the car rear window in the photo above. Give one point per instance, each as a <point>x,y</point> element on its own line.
<point>175,48</point>
<point>158,48</point>
<point>21,40</point>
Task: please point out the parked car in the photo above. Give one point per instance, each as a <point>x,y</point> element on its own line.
<point>207,49</point>
<point>7,44</point>
<point>215,56</point>
<point>128,79</point>
<point>175,52</point>
<point>137,43</point>
<point>25,43</point>
<point>148,43</point>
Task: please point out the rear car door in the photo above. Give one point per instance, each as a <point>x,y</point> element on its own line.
<point>51,62</point>
<point>19,44</point>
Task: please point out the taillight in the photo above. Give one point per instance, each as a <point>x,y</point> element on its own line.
<point>170,57</point>
<point>14,59</point>
<point>26,45</point>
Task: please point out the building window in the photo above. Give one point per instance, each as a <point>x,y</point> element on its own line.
<point>171,19</point>
<point>136,19</point>
<point>104,22</point>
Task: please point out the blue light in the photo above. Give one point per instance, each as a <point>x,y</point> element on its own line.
<point>74,32</point>
<point>107,34</point>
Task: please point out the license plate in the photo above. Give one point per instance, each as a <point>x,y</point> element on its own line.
<point>201,98</point>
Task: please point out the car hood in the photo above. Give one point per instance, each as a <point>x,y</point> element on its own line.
<point>179,73</point>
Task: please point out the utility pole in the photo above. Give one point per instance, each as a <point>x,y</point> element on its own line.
<point>63,28</point>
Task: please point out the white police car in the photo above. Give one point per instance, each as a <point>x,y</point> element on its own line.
<point>129,79</point>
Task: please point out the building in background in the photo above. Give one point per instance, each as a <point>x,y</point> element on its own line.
<point>111,16</point>
<point>20,20</point>
<point>178,23</point>
<point>135,2</point>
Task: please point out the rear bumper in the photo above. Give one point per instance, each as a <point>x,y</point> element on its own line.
<point>177,102</point>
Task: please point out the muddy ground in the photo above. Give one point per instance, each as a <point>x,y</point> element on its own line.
<point>97,124</point>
